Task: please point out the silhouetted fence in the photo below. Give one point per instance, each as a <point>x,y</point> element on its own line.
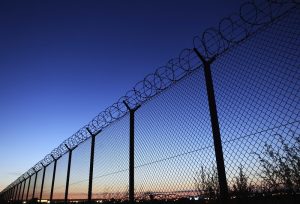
<point>220,122</point>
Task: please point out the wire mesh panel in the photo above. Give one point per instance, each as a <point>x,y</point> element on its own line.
<point>257,87</point>
<point>48,181</point>
<point>174,147</point>
<point>38,187</point>
<point>79,175</point>
<point>60,178</point>
<point>30,193</point>
<point>25,189</point>
<point>110,180</point>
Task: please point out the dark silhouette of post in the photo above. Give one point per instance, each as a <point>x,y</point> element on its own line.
<point>20,190</point>
<point>53,178</point>
<point>26,199</point>
<point>90,190</point>
<point>17,192</point>
<point>215,127</point>
<point>68,172</point>
<point>8,193</point>
<point>34,184</point>
<point>23,189</point>
<point>13,193</point>
<point>43,179</point>
<point>131,152</point>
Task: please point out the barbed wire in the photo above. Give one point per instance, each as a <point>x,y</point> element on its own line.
<point>239,26</point>
<point>213,42</point>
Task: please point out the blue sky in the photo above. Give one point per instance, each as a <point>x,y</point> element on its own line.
<point>62,62</point>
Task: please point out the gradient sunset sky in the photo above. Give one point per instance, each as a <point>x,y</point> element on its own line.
<point>63,62</point>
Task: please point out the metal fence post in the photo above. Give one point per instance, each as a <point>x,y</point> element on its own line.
<point>53,178</point>
<point>131,152</point>
<point>28,187</point>
<point>23,189</point>
<point>42,186</point>
<point>16,193</point>
<point>215,127</point>
<point>34,184</point>
<point>6,195</point>
<point>68,172</point>
<point>20,190</point>
<point>9,194</point>
<point>90,190</point>
<point>13,193</point>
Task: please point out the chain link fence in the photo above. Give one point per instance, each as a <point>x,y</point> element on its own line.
<point>220,123</point>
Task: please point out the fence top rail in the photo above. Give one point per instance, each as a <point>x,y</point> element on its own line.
<point>213,42</point>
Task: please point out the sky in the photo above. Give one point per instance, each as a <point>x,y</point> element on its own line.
<point>63,62</point>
